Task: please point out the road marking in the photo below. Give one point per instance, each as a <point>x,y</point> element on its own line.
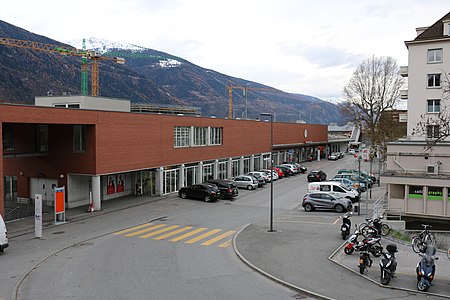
<point>164,236</point>
<point>218,238</point>
<point>132,228</point>
<point>202,236</point>
<point>145,230</point>
<point>158,232</point>
<point>181,237</point>
<point>226,244</point>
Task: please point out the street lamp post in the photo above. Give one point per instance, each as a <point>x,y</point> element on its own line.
<point>271,169</point>
<point>246,99</point>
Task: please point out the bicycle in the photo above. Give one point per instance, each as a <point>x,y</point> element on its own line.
<point>374,227</point>
<point>423,239</point>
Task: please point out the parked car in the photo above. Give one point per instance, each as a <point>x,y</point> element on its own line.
<point>286,170</point>
<point>354,177</point>
<point>227,188</point>
<point>3,235</point>
<point>246,182</point>
<point>301,168</point>
<point>363,173</point>
<point>293,167</point>
<point>272,173</point>
<point>202,191</point>
<point>351,184</point>
<point>333,156</point>
<point>260,179</point>
<point>267,177</point>
<point>316,175</point>
<point>314,201</point>
<point>335,189</point>
<point>279,172</point>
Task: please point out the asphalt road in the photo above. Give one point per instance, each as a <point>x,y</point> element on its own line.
<point>97,259</point>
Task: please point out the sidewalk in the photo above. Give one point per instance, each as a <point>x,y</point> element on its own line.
<point>26,225</point>
<point>308,256</point>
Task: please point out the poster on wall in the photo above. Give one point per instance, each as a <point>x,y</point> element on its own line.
<point>111,187</point>
<point>121,183</point>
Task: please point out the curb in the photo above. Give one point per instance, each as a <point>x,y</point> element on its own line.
<point>271,277</point>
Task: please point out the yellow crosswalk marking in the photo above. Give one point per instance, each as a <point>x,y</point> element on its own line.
<point>186,235</point>
<point>226,244</point>
<point>145,230</point>
<point>158,232</point>
<point>218,238</point>
<point>132,228</point>
<point>165,236</point>
<point>202,236</point>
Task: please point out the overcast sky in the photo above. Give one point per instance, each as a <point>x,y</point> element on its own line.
<point>298,46</point>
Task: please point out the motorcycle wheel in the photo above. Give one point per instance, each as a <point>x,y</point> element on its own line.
<point>362,268</point>
<point>421,286</point>
<point>376,251</point>
<point>385,278</point>
<point>348,251</point>
<point>344,235</point>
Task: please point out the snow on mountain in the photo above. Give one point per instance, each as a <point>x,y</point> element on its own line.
<point>103,46</point>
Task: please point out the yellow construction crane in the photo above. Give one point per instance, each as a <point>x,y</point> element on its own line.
<point>93,56</point>
<point>245,89</point>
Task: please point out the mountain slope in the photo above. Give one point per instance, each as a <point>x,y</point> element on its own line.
<point>148,76</point>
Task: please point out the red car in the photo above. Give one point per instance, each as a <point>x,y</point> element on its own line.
<point>279,172</point>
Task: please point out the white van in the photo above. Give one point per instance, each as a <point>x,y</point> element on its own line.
<point>334,188</point>
<point>3,235</point>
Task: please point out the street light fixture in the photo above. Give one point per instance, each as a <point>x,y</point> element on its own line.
<point>271,169</point>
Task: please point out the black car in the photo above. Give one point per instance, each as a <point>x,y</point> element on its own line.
<point>317,175</point>
<point>202,191</point>
<point>227,188</point>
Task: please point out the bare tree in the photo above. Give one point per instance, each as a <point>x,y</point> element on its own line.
<point>436,127</point>
<point>373,88</point>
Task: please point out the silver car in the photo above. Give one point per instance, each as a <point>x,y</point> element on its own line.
<point>246,182</point>
<point>314,201</point>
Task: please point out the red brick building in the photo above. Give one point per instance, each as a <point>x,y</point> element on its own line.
<point>101,154</point>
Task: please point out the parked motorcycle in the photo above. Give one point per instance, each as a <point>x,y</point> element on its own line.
<point>374,244</point>
<point>364,259</point>
<point>346,225</point>
<point>388,264</point>
<point>426,268</point>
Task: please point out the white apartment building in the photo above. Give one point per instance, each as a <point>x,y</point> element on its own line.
<point>417,178</point>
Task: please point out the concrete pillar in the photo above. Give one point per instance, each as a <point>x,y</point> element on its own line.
<point>200,172</point>
<point>159,178</point>
<point>216,169</point>
<point>181,176</point>
<point>96,193</point>
<point>252,163</point>
<point>230,168</point>
<point>241,165</point>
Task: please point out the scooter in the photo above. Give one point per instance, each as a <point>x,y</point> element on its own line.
<point>388,264</point>
<point>426,268</point>
<point>346,225</point>
<point>374,244</point>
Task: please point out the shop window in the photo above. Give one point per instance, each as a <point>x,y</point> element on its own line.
<point>415,192</point>
<point>435,193</point>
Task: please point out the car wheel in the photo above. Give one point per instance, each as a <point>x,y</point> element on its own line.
<point>308,207</point>
<point>207,198</point>
<point>183,195</point>
<point>249,187</point>
<point>339,208</point>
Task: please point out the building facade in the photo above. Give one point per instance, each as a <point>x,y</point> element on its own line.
<point>98,155</point>
<point>417,176</point>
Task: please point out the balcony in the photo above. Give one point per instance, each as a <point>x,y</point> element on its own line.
<point>403,94</point>
<point>404,71</point>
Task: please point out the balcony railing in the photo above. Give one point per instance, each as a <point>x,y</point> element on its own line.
<point>404,71</point>
<point>404,94</point>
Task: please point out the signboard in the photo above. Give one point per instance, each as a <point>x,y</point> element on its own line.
<point>60,207</point>
<point>37,215</point>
